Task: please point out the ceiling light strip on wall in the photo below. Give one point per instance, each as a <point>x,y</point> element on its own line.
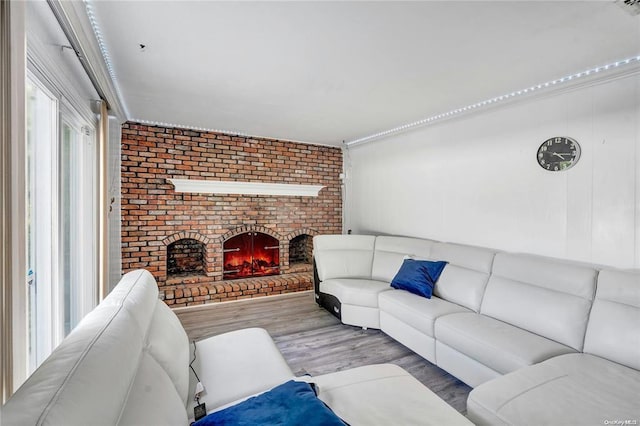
<point>499,99</point>
<point>105,53</point>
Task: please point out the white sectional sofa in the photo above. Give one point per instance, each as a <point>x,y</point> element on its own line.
<point>127,363</point>
<point>542,340</point>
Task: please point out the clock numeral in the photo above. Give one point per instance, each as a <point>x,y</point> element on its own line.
<point>550,142</point>
<point>558,140</point>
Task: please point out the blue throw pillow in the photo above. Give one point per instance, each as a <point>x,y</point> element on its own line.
<point>291,403</point>
<point>418,276</point>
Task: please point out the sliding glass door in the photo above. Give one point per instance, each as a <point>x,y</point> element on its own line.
<point>61,219</point>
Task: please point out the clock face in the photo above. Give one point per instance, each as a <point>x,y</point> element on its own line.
<point>558,153</point>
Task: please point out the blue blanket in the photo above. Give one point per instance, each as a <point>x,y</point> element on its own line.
<point>291,403</point>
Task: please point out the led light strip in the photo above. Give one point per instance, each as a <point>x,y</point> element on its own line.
<point>105,53</point>
<point>186,127</point>
<point>497,99</point>
<point>210,130</point>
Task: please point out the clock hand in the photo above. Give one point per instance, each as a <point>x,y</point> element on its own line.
<point>558,155</point>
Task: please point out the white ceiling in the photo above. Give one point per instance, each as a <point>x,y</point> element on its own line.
<point>324,72</point>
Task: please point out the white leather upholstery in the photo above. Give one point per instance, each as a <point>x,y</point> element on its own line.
<point>464,279</point>
<point>574,389</point>
<point>498,345</point>
<point>168,344</point>
<point>384,395</point>
<point>469,370</point>
<point>360,316</point>
<point>390,252</point>
<point>126,364</point>
<point>546,296</point>
<point>410,337</point>
<point>147,402</point>
<point>417,312</point>
<point>613,331</point>
<point>238,364</point>
<point>357,292</point>
<point>343,256</point>
<point>515,321</point>
<point>88,378</point>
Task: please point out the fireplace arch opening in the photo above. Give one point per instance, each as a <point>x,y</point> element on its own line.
<point>186,257</point>
<point>251,254</point>
<point>301,250</point>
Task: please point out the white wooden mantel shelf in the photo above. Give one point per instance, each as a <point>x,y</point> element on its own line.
<point>244,188</point>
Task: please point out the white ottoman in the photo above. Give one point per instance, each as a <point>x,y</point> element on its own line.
<point>384,394</point>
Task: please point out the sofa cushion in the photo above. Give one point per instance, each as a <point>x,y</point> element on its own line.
<point>355,291</point>
<point>384,394</point>
<point>418,276</point>
<point>615,318</point>
<point>546,296</point>
<point>417,312</point>
<point>238,364</point>
<point>464,279</point>
<point>390,252</point>
<point>343,256</point>
<point>573,389</point>
<point>498,345</point>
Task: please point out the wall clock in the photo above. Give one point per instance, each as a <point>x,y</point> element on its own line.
<point>558,153</point>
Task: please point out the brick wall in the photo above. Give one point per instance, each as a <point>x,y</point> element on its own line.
<point>154,215</point>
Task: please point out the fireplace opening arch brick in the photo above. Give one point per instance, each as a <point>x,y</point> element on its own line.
<point>187,254</point>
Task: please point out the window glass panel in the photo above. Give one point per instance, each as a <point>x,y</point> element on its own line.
<point>40,220</point>
<point>77,221</point>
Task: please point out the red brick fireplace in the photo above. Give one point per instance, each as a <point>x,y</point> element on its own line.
<point>190,241</point>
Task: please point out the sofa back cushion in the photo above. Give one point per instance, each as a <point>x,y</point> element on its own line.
<point>546,296</point>
<point>343,256</point>
<point>390,252</point>
<point>89,377</point>
<point>168,345</point>
<point>149,402</point>
<point>464,278</point>
<point>613,331</point>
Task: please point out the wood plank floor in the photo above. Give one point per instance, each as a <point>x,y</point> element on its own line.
<point>314,342</point>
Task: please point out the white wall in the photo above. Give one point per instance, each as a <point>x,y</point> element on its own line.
<point>475,179</point>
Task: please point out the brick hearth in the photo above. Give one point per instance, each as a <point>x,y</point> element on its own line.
<point>198,289</point>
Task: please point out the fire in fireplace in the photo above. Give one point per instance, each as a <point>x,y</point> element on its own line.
<point>251,254</point>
